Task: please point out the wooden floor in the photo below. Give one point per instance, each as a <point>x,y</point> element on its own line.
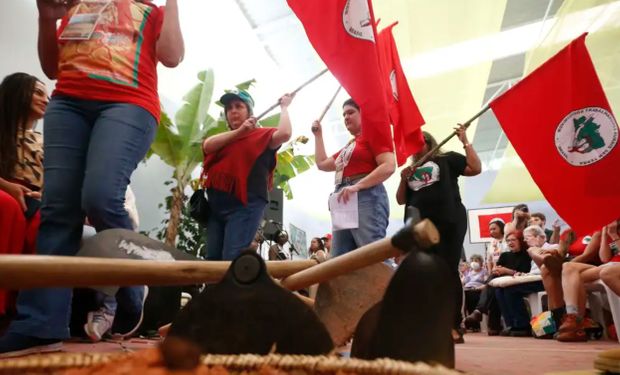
<point>480,354</point>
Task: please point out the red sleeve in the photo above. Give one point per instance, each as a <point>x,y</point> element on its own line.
<point>335,156</point>
<point>377,148</point>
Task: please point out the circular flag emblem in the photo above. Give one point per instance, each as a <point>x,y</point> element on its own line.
<point>586,136</point>
<point>356,20</point>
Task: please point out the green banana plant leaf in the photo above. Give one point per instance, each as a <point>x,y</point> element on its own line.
<point>178,144</point>
<point>245,86</point>
<point>166,143</point>
<point>190,119</point>
<point>290,165</point>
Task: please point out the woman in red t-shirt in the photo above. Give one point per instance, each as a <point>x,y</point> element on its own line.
<point>360,170</point>
<point>99,125</point>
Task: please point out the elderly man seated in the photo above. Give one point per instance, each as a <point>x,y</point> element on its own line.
<point>539,248</point>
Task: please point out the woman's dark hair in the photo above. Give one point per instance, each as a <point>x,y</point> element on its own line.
<point>522,207</point>
<point>431,142</point>
<point>16,92</point>
<point>500,224</point>
<point>351,103</point>
<point>321,244</point>
<point>279,233</point>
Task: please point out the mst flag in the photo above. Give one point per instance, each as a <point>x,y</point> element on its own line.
<point>404,113</point>
<point>560,123</point>
<point>343,34</point>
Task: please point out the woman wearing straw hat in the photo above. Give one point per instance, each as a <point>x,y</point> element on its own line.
<point>239,167</point>
<point>433,188</point>
<point>362,170</point>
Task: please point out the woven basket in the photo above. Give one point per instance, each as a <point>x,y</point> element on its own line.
<point>297,364</point>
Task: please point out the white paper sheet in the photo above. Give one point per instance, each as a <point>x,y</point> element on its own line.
<point>344,215</point>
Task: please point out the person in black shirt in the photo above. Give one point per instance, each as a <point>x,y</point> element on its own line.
<point>510,298</point>
<point>510,263</point>
<point>433,189</point>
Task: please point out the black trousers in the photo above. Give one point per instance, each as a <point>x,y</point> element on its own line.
<point>472,296</point>
<point>487,304</point>
<point>449,249</point>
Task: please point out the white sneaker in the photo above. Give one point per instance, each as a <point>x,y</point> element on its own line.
<point>97,324</point>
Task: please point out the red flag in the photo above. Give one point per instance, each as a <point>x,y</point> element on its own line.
<point>560,123</point>
<point>343,34</point>
<point>404,113</point>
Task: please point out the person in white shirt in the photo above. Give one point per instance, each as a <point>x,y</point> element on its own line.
<point>539,248</point>
<point>498,244</point>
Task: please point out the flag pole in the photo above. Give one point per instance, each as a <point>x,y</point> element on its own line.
<point>292,93</point>
<point>331,101</point>
<point>434,150</point>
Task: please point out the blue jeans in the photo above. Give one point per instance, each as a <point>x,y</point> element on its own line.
<point>512,306</point>
<point>91,149</point>
<point>374,212</point>
<point>231,226</point>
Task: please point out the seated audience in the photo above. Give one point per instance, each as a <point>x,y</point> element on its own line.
<point>579,249</point>
<point>610,275</point>
<point>576,275</point>
<point>473,283</point>
<point>538,248</point>
<point>510,263</point>
<point>463,270</point>
<point>538,218</point>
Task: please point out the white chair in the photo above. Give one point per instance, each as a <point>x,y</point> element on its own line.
<point>614,305</point>
<point>535,302</point>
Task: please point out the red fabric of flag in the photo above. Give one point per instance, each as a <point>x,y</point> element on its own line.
<point>404,113</point>
<point>561,125</point>
<point>343,33</point>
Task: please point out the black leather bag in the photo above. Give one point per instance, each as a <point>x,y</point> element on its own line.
<point>199,208</point>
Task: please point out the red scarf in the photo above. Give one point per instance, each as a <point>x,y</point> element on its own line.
<point>228,169</point>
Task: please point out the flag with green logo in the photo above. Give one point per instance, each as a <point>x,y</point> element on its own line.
<point>561,125</point>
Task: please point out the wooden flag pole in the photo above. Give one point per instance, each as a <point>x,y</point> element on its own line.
<point>434,150</point>
<point>329,104</point>
<point>292,93</point>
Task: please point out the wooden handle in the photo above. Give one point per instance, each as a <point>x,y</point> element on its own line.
<point>292,93</point>
<point>35,271</point>
<point>329,104</point>
<point>423,234</point>
<point>434,150</point>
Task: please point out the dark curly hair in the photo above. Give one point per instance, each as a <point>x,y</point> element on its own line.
<point>16,92</point>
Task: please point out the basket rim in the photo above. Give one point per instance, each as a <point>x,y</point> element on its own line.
<point>313,364</point>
